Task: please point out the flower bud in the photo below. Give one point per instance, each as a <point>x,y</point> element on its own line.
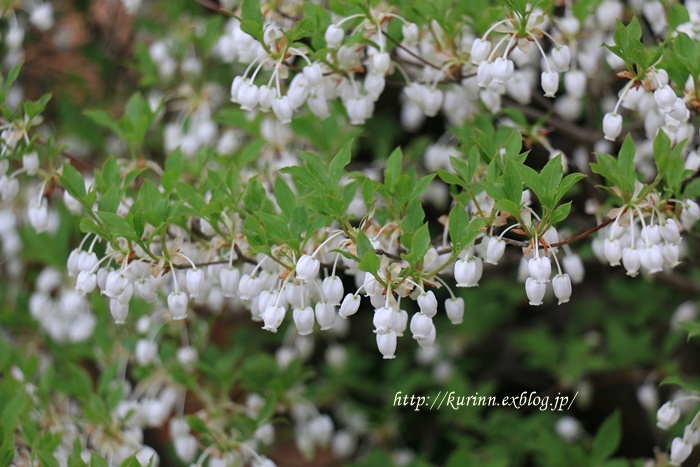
<point>612,126</point>
<point>350,305</point>
<point>535,291</point>
<point>386,342</point>
<point>569,429</point>
<point>177,304</point>
<point>266,98</point>
<point>561,283</point>
<point>42,16</point>
<point>455,309</point>
<point>550,83</point>
<point>428,303</point>
<point>667,415</point>
<point>304,320</point>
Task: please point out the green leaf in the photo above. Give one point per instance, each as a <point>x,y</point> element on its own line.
<point>512,183</point>
<point>149,196</point>
<point>508,206</point>
<point>566,184</point>
<point>103,119</point>
<point>72,181</point>
<point>677,381</point>
<point>551,175</point>
<point>420,244</point>
<point>625,164</point>
<point>109,201</point>
<point>607,438</point>
<point>286,199</point>
<point>561,213</point>
<point>370,262</point>
<point>392,171</point>
<point>532,180</point>
<point>450,178</point>
<point>341,159</point>
<point>363,244</point>
<point>458,224</point>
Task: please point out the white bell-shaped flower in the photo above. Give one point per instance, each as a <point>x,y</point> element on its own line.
<point>86,282</point>
<point>535,291</point>
<point>307,268</point>
<point>680,450</point>
<point>667,415</point>
<point>612,126</point>
<point>550,83</point>
<point>177,304</point>
<point>421,326</point>
<point>540,268</point>
<point>115,285</point>
<point>612,251</point>
<point>146,351</point>
<point>304,320</point>
<point>350,305</point>
<point>468,272</point>
<point>229,279</point>
<point>272,316</point>
<point>118,310</point>
<point>386,342</point>
<point>631,261</point>
<point>334,36</point>
<point>561,283</point>
<point>427,303</point>
<point>194,279</point>
<point>325,315</point>
<point>454,307</point>
<point>494,250</point>
<point>333,290</point>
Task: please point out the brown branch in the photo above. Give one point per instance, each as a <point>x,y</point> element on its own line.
<point>410,52</point>
<point>566,127</point>
<point>583,235</point>
<point>213,6</point>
